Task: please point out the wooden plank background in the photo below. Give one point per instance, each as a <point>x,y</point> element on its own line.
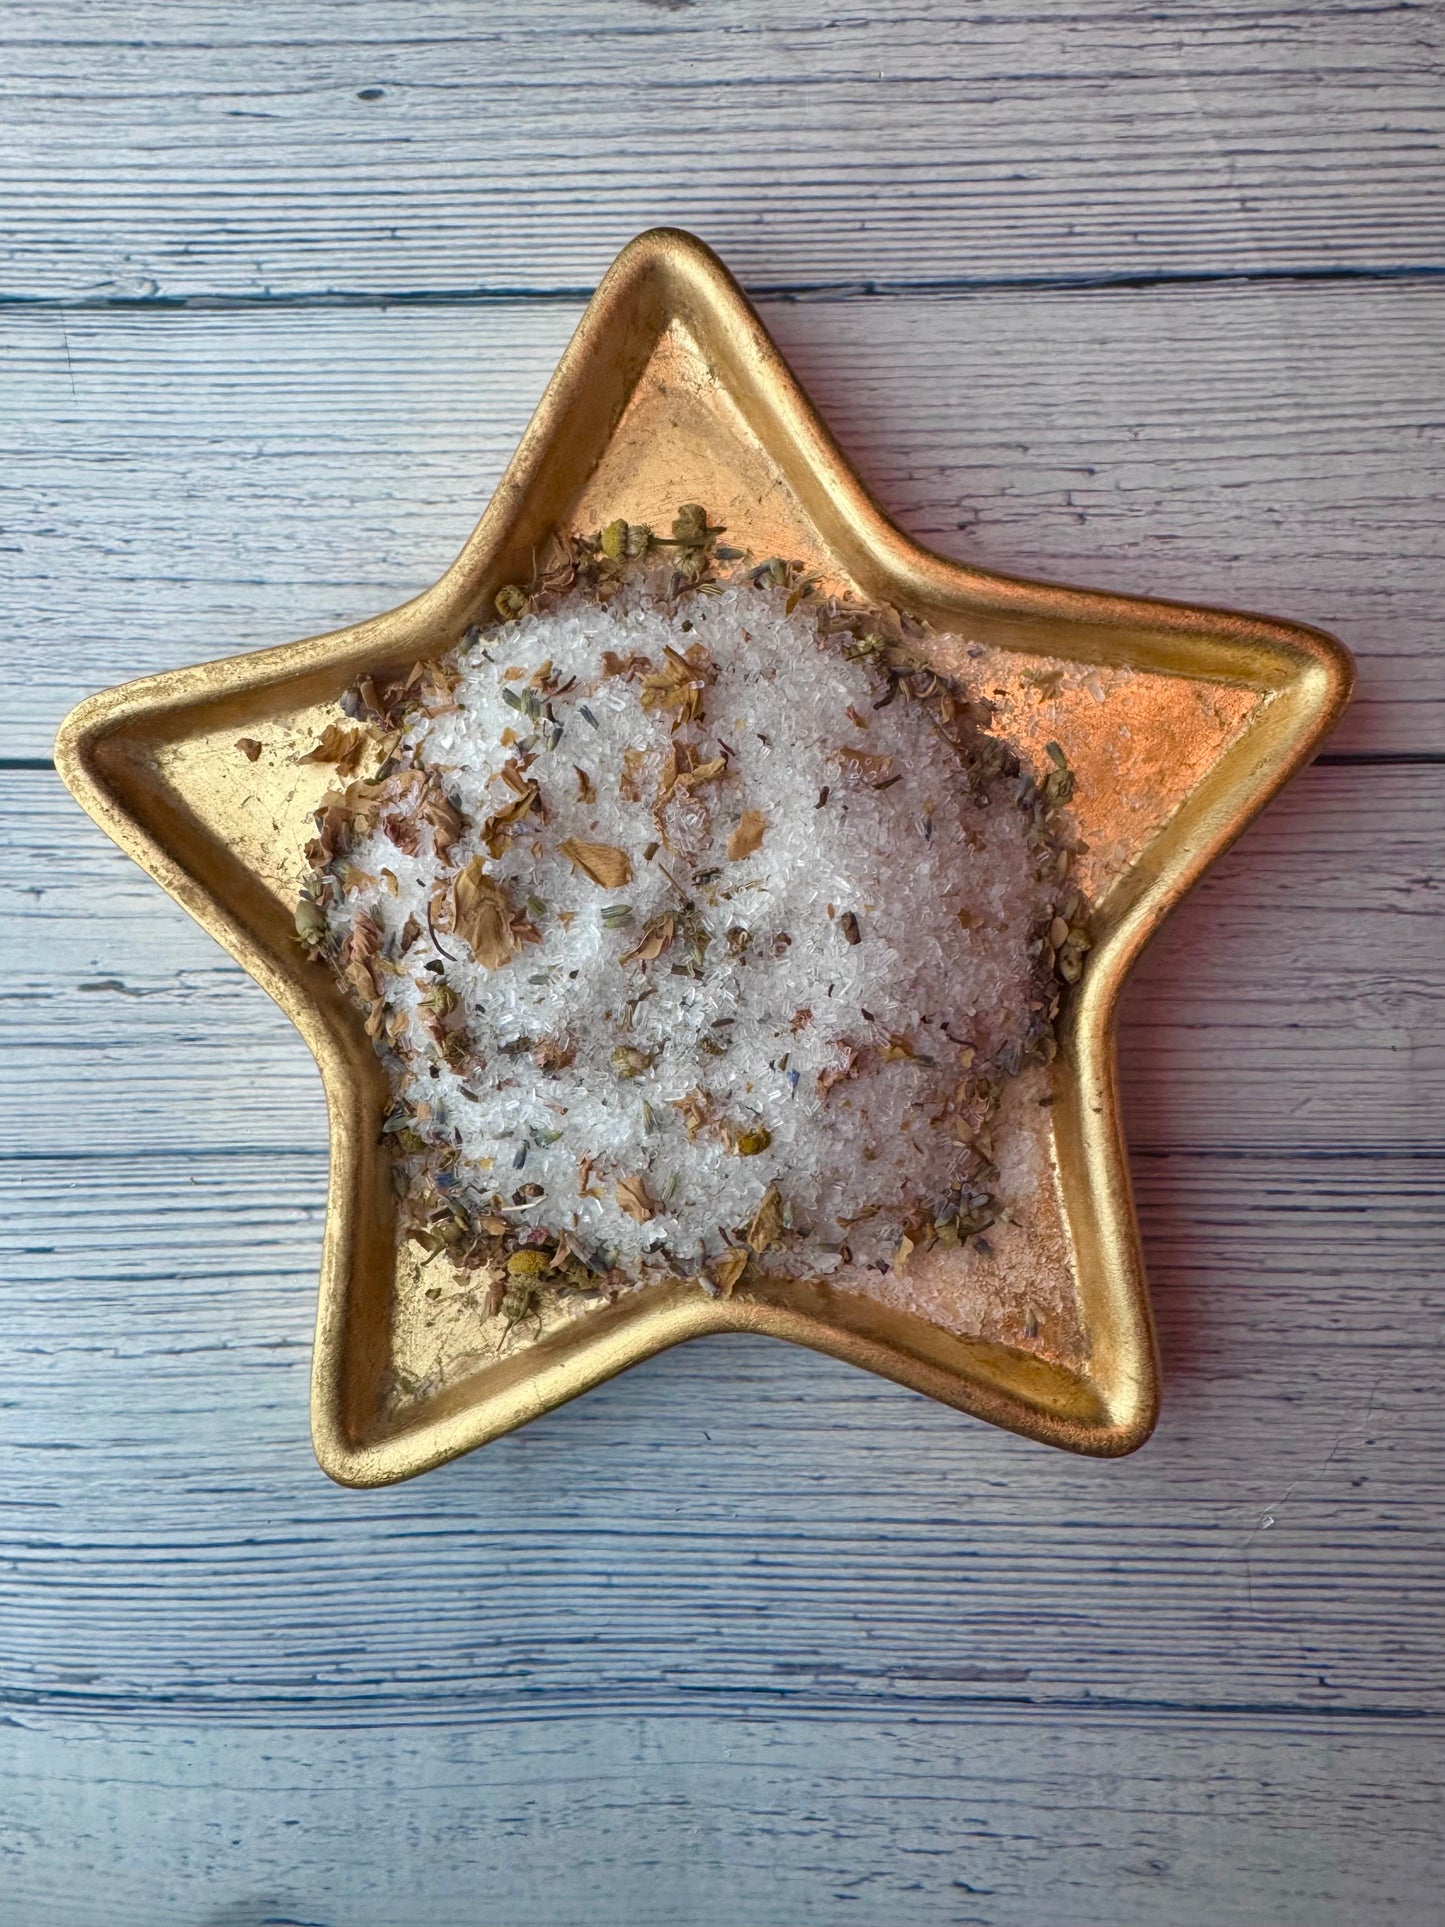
<point>1146,296</point>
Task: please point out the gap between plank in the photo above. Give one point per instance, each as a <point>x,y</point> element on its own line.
<point>739,1702</point>
<point>1371,758</point>
<point>940,286</point>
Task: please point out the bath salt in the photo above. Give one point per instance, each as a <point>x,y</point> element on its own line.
<point>699,925</point>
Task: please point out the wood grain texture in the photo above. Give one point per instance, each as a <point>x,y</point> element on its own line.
<point>1294,1001</point>
<point>180,486</point>
<point>429,144</point>
<point>743,1637</point>
<point>626,1822</point>
<point>735,1523</point>
<point>733,1526</point>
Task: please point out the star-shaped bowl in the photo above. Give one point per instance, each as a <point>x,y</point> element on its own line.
<point>1180,723</point>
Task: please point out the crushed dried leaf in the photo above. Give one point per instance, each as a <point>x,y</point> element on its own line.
<point>482,914</point>
<point>632,1196</point>
<point>607,866</point>
<point>747,838</point>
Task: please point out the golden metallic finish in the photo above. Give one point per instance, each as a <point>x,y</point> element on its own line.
<point>671,391</point>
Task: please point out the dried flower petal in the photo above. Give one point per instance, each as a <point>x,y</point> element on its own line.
<point>692,779</point>
<point>656,939</point>
<point>494,830</point>
<point>694,1111</point>
<point>632,1196</point>
<point>445,820</point>
<point>726,1269</point>
<point>630,785</point>
<point>482,914</point>
<point>628,666</point>
<point>404,832</point>
<point>606,865</point>
<point>339,745</point>
<point>680,682</point>
<point>766,1228</point>
<point>553,1053</point>
<point>748,836</point>
<point>511,1256</point>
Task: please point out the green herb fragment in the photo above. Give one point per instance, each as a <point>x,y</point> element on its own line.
<point>517,1261</point>
<point>310,924</point>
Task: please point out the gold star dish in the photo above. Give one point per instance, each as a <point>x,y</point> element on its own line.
<point>1178,723</point>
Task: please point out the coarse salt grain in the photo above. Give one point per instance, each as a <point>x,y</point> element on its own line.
<point>887,925</point>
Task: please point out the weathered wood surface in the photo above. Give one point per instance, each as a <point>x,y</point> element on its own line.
<point>431,144</point>
<point>183,486</point>
<point>744,1636</point>
<point>735,1524</point>
<point>1294,1002</point>
<point>714,1819</point>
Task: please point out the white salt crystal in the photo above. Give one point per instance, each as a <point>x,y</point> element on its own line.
<point>942,889</point>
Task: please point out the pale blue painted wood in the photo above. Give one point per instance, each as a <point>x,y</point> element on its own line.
<point>373,147</point>
<point>744,1636</point>
<point>182,485</point>
<point>617,1819</point>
